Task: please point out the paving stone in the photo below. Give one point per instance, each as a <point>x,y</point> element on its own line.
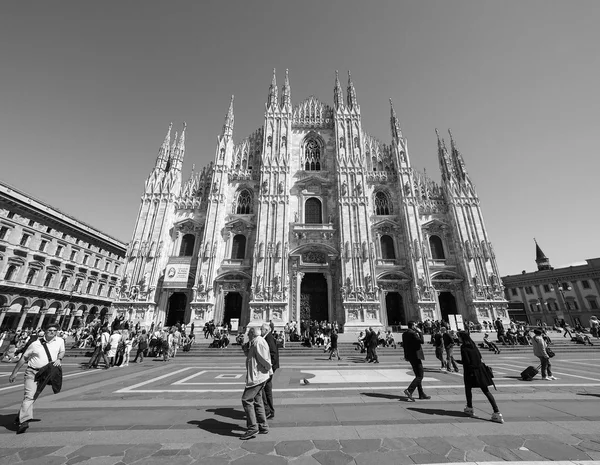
<point>35,452</point>
<point>232,454</point>
<point>352,446</point>
<point>293,448</point>
<point>50,460</point>
<point>332,444</point>
<point>436,446</point>
<point>206,449</point>
<point>140,451</point>
<point>594,455</point>
<point>528,456</point>
<point>479,456</point>
<point>260,459</point>
<point>258,447</point>
<point>332,457</point>
<point>588,446</point>
<point>10,459</point>
<point>465,443</point>
<point>398,443</point>
<point>510,442</point>
<point>588,437</point>
<point>4,451</point>
<point>211,461</point>
<point>456,455</point>
<point>101,450</point>
<point>76,459</point>
<point>177,460</point>
<point>65,451</point>
<point>304,460</point>
<point>554,451</point>
<point>383,458</point>
<point>166,453</point>
<point>501,453</point>
<point>429,458</point>
<point>100,461</point>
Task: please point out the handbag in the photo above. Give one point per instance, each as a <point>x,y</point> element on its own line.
<point>488,370</point>
<point>107,348</point>
<point>550,352</point>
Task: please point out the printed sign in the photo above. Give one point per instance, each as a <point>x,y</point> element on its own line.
<point>176,275</point>
<point>235,323</point>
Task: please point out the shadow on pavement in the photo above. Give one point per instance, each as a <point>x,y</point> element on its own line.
<point>382,396</point>
<point>588,394</point>
<point>8,422</point>
<point>439,411</point>
<point>228,412</point>
<point>218,427</point>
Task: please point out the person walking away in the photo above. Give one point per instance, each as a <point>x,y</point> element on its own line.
<point>412,341</point>
<point>373,342</point>
<point>438,343</point>
<point>100,350</point>
<point>127,349</point>
<point>500,330</point>
<point>539,350</point>
<point>258,371</point>
<point>113,343</point>
<point>449,348</point>
<point>566,329</point>
<point>333,349</point>
<point>595,326</point>
<point>475,374</point>
<point>40,353</point>
<point>176,342</point>
<point>267,393</point>
<point>142,346</point>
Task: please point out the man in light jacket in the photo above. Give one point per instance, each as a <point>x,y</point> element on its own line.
<point>258,372</point>
<point>539,350</point>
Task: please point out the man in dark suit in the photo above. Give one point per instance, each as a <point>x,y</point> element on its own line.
<point>265,332</point>
<point>413,353</point>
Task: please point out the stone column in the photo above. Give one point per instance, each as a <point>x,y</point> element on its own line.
<point>22,319</point>
<point>71,319</point>
<point>3,312</point>
<point>41,319</point>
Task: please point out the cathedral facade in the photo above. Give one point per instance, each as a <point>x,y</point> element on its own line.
<point>309,217</point>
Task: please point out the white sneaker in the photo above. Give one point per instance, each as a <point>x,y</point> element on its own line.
<point>469,411</point>
<point>497,418</point>
<point>545,378</point>
<point>552,377</point>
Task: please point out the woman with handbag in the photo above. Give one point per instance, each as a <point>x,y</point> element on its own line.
<point>540,350</point>
<point>476,374</point>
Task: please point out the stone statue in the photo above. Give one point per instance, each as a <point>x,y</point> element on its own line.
<point>344,188</point>
<point>159,249</point>
<point>368,282</point>
<point>365,250</point>
<point>278,250</point>
<point>295,217</point>
<point>265,187</point>
<point>359,188</point>
<point>280,188</point>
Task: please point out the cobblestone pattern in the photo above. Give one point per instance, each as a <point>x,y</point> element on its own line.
<point>331,452</point>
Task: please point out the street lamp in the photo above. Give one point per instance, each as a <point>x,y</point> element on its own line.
<point>562,289</point>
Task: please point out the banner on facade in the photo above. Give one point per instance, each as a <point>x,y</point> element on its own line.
<point>176,275</point>
<point>459,322</point>
<point>235,324</point>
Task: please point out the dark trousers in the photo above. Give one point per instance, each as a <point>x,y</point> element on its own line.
<point>484,389</point>
<point>140,354</point>
<point>267,395</point>
<point>417,366</point>
<point>96,357</point>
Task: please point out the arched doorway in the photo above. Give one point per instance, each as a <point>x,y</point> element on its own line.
<point>233,307</point>
<point>313,297</point>
<point>447,305</point>
<point>394,306</point>
<point>176,309</point>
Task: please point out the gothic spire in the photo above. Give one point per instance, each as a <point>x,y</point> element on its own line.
<point>542,261</point>
<point>443,158</point>
<point>272,99</point>
<point>351,93</point>
<point>457,159</point>
<point>286,97</point>
<point>396,131</point>
<point>228,126</point>
<point>181,142</point>
<point>338,96</point>
<point>163,152</point>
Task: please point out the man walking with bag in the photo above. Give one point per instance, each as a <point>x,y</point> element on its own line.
<point>540,350</point>
<point>413,353</point>
<point>267,394</point>
<point>46,350</point>
<point>258,371</point>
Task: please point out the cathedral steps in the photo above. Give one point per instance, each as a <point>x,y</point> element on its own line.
<point>347,349</point>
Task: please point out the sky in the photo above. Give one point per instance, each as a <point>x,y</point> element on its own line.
<point>87,91</point>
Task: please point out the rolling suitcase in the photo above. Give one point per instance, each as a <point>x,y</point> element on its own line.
<point>529,373</point>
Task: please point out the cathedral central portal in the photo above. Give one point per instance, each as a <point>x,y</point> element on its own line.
<point>314,301</point>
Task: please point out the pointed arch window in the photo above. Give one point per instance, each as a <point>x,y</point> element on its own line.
<point>382,204</point>
<point>312,155</point>
<point>312,211</point>
<point>238,248</point>
<point>388,251</point>
<point>437,248</point>
<point>244,203</point>
<point>187,245</point>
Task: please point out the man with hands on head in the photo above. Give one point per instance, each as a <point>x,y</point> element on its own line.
<point>413,353</point>
<point>48,349</point>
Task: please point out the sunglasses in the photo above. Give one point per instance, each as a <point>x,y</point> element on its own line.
<point>51,330</point>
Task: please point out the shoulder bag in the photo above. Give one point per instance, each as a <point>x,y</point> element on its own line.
<point>550,352</point>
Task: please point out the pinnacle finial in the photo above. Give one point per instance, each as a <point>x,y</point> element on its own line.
<point>229,119</point>
<point>286,98</point>
<point>396,131</point>
<point>351,92</point>
<point>272,98</point>
<point>338,96</point>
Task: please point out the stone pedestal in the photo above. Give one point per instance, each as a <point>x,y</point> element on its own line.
<point>361,315</point>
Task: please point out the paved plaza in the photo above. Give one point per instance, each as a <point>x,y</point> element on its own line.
<point>188,411</point>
